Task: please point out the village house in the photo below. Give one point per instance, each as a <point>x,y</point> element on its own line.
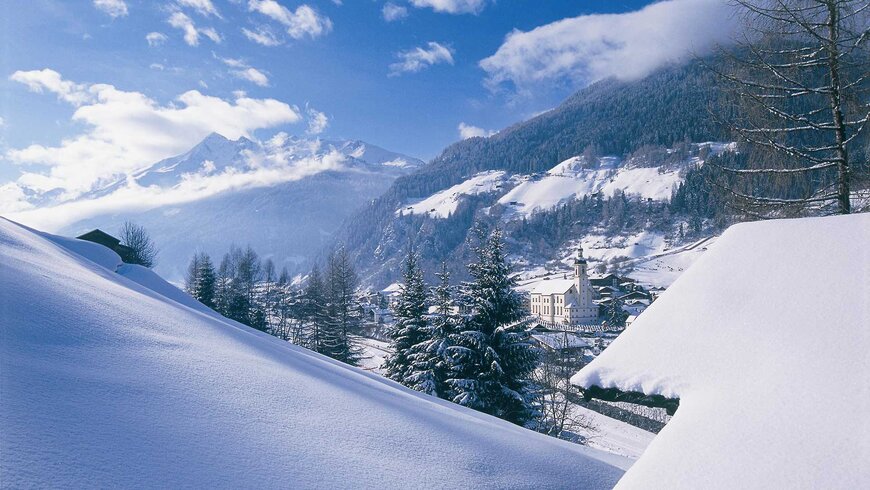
<point>566,301</point>
<point>99,236</point>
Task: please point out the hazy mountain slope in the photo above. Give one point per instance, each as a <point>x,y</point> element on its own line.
<point>108,382</point>
<point>290,219</point>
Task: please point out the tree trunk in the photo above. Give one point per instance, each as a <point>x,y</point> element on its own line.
<point>843,203</point>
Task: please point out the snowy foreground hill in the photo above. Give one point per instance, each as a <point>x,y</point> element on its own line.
<point>765,342</point>
<point>110,377</point>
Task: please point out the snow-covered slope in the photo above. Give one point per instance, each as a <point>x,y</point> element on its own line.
<point>523,194</point>
<point>764,340</point>
<point>572,178</point>
<point>444,203</point>
<point>106,381</point>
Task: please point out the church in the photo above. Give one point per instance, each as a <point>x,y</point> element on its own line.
<point>566,301</point>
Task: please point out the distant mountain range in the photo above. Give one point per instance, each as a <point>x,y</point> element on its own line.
<point>285,197</point>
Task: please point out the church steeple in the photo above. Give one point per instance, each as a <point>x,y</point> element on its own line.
<point>579,263</point>
<point>584,310</point>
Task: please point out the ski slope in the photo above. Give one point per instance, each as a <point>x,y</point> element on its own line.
<point>765,341</point>
<point>112,378</point>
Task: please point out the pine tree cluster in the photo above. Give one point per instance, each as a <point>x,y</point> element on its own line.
<point>324,316</point>
<point>483,359</point>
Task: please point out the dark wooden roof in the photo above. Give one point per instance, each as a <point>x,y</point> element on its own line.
<point>614,395</point>
<point>101,237</point>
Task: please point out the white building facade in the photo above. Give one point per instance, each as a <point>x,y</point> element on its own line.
<point>566,301</point>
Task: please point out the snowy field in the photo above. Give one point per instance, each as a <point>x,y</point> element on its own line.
<point>522,194</point>
<point>444,203</point>
<point>112,378</point>
<point>571,179</point>
<point>763,402</point>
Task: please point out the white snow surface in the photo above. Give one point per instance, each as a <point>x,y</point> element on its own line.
<point>112,380</point>
<point>765,341</point>
<point>444,203</point>
<point>572,178</point>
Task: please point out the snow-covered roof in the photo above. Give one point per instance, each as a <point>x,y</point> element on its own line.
<point>113,378</point>
<point>393,288</point>
<point>553,286</point>
<point>765,341</point>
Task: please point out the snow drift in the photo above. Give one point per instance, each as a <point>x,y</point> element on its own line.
<point>765,341</point>
<point>116,379</point>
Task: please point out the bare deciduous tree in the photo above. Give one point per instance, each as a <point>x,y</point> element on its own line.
<point>143,249</point>
<point>800,74</point>
<point>558,414</point>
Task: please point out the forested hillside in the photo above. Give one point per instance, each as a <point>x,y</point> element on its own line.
<point>607,118</point>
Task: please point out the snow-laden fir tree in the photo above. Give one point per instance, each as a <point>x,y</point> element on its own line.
<point>312,311</point>
<point>342,311</point>
<point>410,327</point>
<point>430,365</point>
<point>201,279</point>
<point>493,358</point>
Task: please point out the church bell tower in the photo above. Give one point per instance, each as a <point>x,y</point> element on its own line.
<point>579,266</point>
<point>586,311</point>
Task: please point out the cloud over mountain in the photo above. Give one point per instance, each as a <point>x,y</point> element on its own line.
<point>124,130</point>
<point>626,46</point>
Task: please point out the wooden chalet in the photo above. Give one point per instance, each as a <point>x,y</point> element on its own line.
<point>110,242</point>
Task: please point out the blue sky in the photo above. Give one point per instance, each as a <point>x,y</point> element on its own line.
<point>79,70</point>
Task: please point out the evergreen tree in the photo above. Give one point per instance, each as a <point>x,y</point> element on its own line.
<point>430,366</point>
<point>614,313</point>
<point>205,292</point>
<point>342,311</point>
<point>192,276</point>
<point>224,287</point>
<point>410,326</point>
<point>493,358</point>
<point>313,311</point>
<point>200,281</point>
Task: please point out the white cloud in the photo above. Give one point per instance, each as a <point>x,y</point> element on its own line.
<point>414,60</point>
<point>212,34</point>
<point>156,38</point>
<point>263,35</point>
<point>123,131</point>
<point>317,122</point>
<point>203,7</point>
<point>50,80</point>
<point>114,8</point>
<point>2,122</point>
<point>180,20</point>
<point>246,72</point>
<point>271,164</point>
<point>304,21</point>
<point>392,12</point>
<point>253,75</point>
<point>627,46</point>
<point>468,131</point>
<point>452,6</point>
<point>13,198</point>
